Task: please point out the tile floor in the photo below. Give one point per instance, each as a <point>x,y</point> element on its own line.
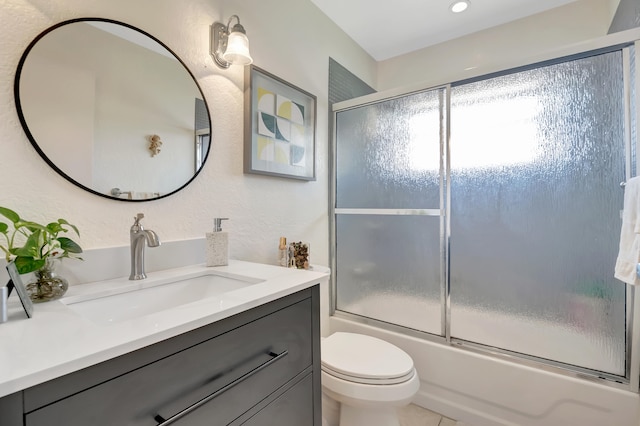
<point>412,415</point>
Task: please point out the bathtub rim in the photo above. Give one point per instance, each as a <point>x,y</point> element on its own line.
<point>549,366</point>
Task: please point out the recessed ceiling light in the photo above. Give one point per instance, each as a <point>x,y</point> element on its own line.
<point>459,6</point>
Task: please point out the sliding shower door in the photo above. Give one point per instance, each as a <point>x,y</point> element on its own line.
<point>388,217</point>
<point>487,213</point>
<point>537,158</point>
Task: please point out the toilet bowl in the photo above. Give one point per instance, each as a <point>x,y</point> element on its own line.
<point>364,380</point>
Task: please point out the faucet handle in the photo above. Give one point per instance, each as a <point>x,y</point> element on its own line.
<point>136,222</point>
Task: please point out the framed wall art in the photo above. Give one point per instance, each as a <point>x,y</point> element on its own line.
<point>280,127</point>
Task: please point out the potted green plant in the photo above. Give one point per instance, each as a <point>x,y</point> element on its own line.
<point>36,248</point>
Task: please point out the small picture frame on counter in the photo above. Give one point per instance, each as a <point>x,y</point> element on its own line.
<point>4,295</point>
<point>16,282</point>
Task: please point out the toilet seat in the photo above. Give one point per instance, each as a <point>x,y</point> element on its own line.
<point>365,359</point>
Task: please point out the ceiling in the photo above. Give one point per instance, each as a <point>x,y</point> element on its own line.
<point>387,28</point>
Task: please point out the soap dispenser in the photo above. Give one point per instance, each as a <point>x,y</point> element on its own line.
<point>217,244</point>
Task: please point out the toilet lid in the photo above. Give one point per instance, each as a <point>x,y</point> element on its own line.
<point>365,359</point>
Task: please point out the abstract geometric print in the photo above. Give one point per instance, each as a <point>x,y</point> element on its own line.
<point>266,118</point>
<point>290,110</point>
<point>281,129</point>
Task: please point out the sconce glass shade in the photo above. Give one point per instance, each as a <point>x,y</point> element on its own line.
<point>237,51</point>
<point>229,45</point>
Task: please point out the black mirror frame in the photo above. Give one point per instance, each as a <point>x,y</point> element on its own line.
<point>16,93</point>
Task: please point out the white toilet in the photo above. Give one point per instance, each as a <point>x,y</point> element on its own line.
<point>364,381</point>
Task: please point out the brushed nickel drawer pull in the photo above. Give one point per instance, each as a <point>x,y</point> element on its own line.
<point>275,357</point>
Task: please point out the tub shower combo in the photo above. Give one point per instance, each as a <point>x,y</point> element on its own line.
<point>476,225</point>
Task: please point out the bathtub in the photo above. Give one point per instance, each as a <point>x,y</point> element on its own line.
<point>482,390</point>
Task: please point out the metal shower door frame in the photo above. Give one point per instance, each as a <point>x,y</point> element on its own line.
<point>620,41</point>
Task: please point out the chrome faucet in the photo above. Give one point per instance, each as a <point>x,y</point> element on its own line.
<point>139,236</point>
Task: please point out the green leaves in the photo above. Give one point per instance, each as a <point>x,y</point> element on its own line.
<point>9,214</point>
<point>64,222</point>
<point>24,265</point>
<point>69,245</point>
<point>40,241</point>
<point>31,247</point>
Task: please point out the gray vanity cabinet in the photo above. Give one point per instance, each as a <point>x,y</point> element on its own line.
<point>260,367</point>
<point>291,408</point>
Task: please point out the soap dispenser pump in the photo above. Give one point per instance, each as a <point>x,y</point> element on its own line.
<point>217,244</point>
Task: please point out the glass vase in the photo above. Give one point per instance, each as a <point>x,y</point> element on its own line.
<point>48,285</point>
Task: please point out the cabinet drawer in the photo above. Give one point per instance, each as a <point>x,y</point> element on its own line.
<point>264,353</point>
<point>222,410</point>
<point>294,407</point>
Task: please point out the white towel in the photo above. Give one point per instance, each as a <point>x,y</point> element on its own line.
<point>629,253</point>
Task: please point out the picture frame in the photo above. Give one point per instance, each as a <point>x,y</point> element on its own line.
<point>16,282</point>
<point>280,127</point>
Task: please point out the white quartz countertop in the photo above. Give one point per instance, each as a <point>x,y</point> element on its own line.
<point>57,340</point>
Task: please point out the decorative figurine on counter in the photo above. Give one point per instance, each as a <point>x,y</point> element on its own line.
<point>299,255</point>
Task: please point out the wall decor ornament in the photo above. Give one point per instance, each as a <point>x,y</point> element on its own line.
<point>280,127</point>
<point>155,145</point>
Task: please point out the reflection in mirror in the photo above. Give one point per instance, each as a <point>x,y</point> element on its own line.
<point>112,110</point>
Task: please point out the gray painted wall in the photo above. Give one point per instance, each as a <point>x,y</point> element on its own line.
<point>627,16</point>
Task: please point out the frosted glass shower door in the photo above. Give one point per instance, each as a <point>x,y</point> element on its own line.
<point>536,162</point>
<point>387,215</point>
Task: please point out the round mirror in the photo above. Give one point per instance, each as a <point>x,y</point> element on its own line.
<point>112,109</point>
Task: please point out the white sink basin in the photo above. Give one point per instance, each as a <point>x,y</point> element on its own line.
<point>125,299</point>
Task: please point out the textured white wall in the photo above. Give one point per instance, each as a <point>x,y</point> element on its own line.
<point>289,38</point>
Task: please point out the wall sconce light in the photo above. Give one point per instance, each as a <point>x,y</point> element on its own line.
<point>229,45</point>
